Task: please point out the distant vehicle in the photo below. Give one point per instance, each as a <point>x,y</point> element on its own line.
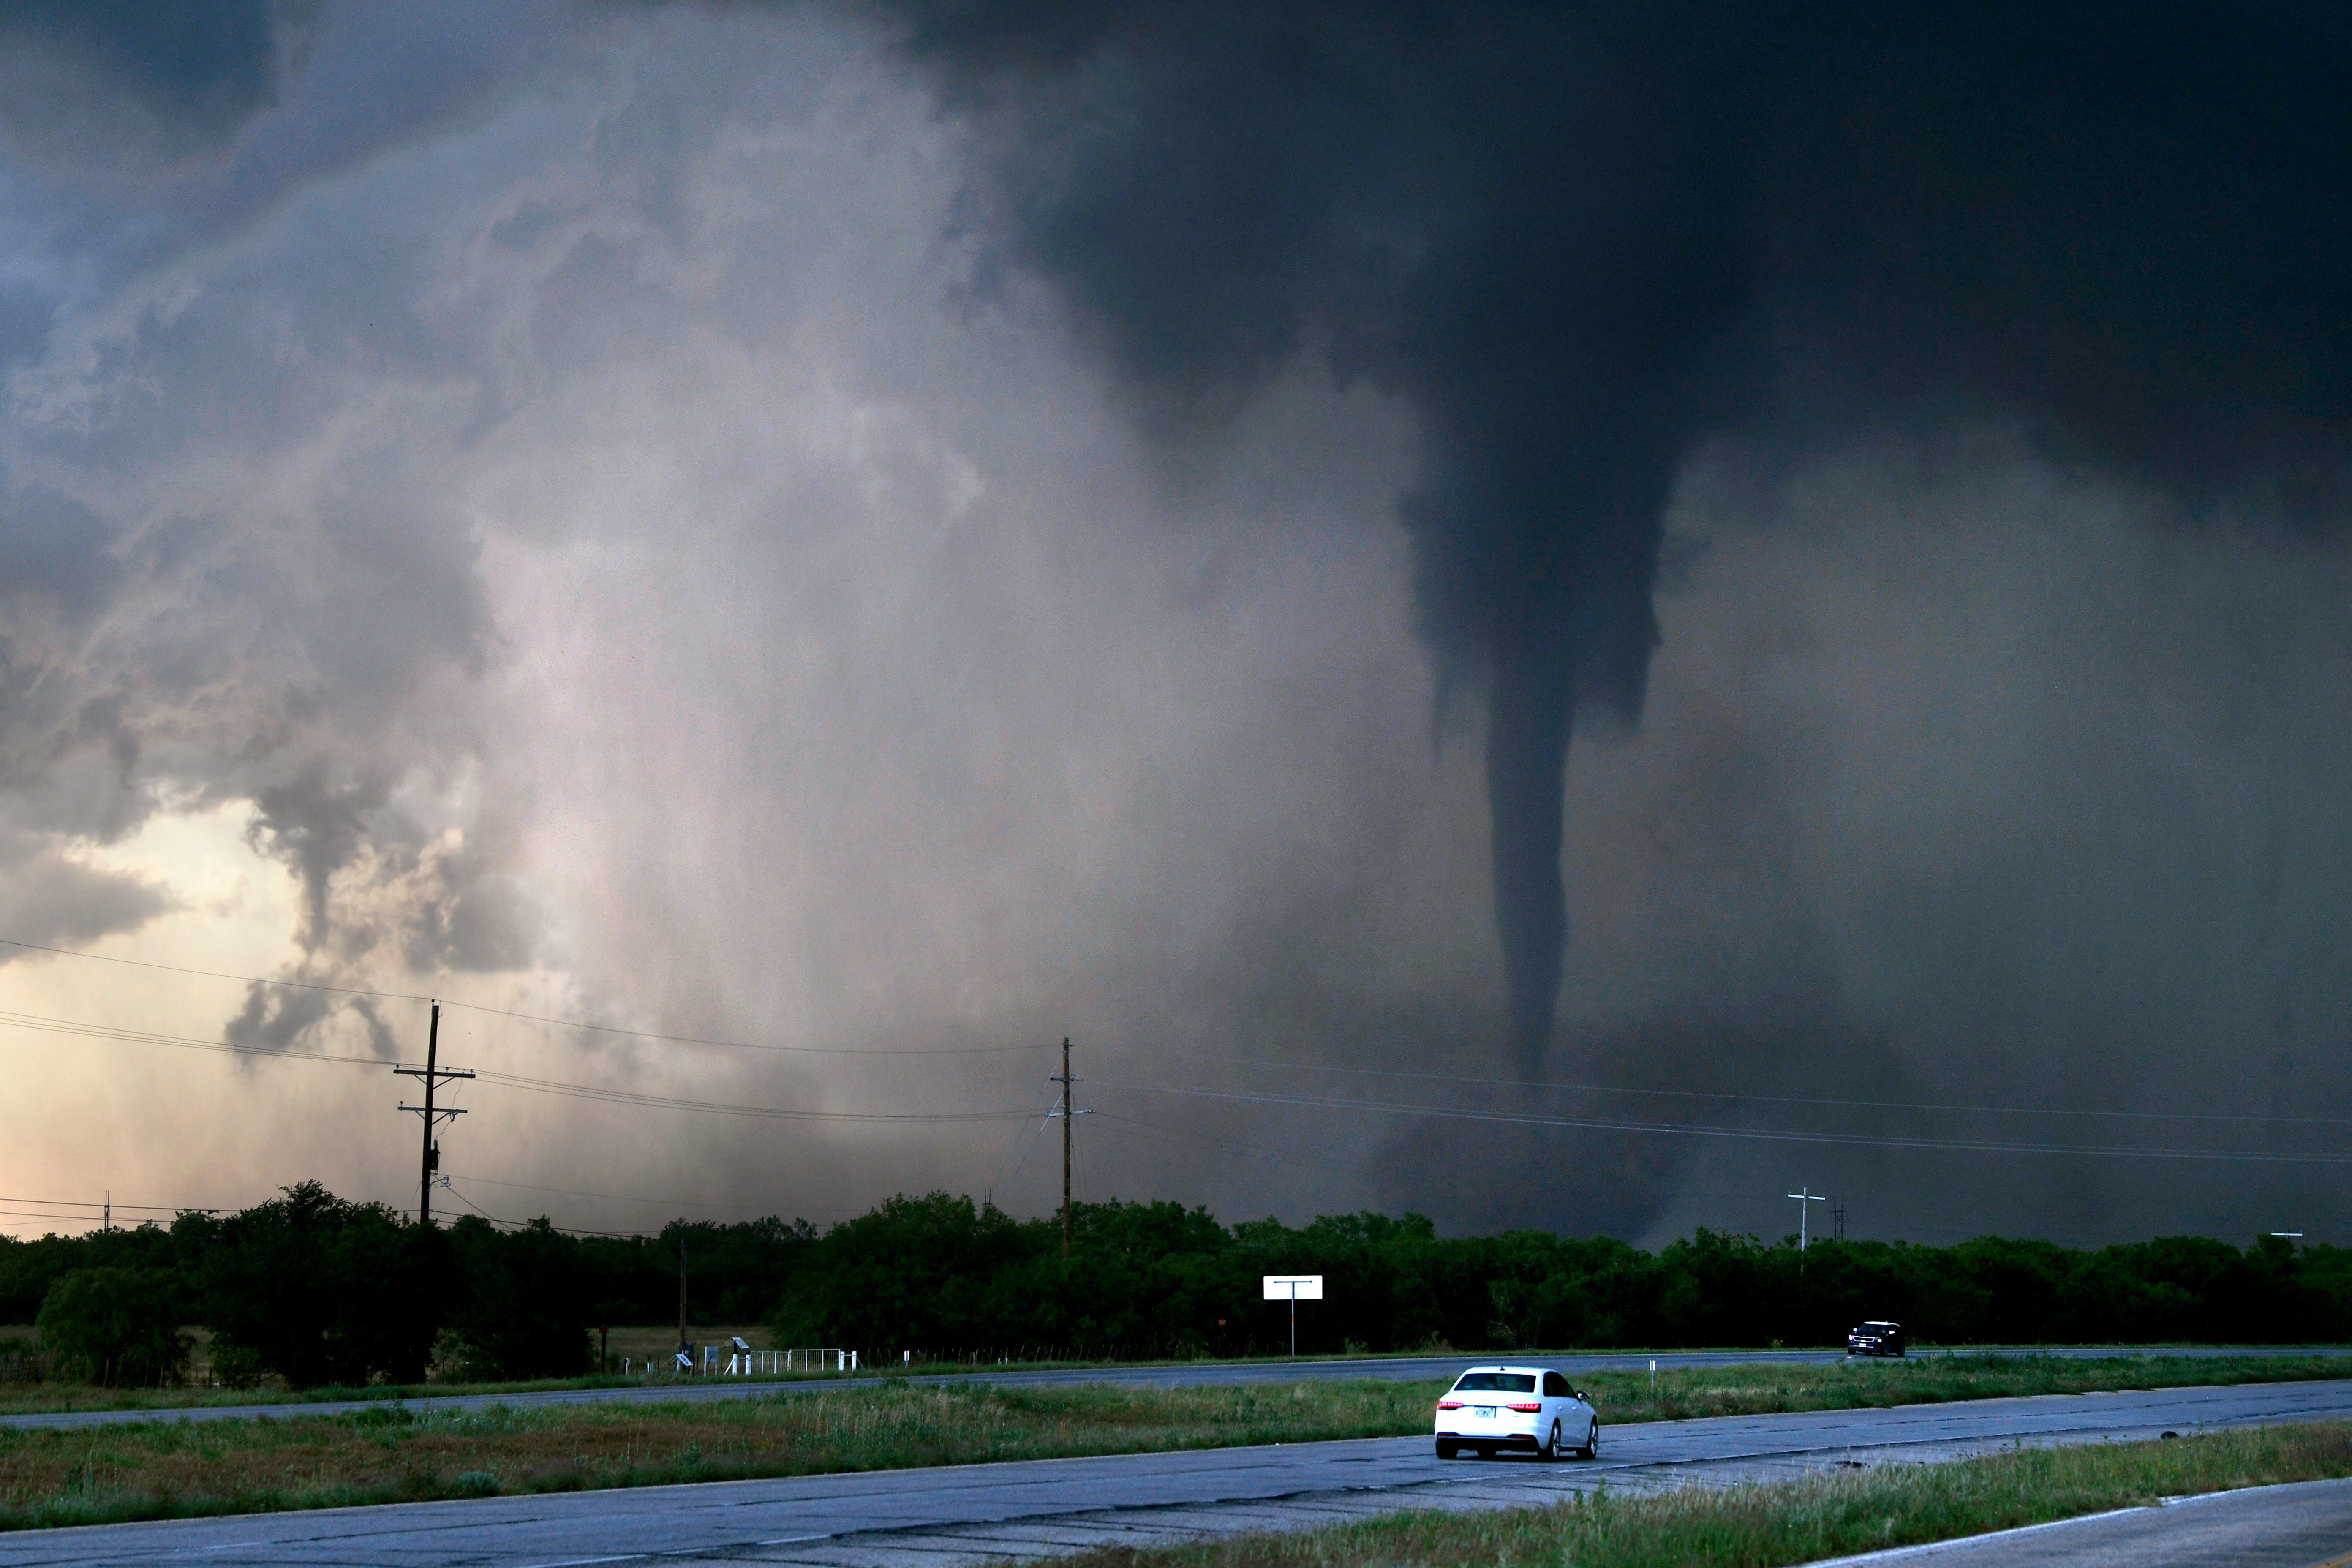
<point>1876,1339</point>
<point>1525,1409</point>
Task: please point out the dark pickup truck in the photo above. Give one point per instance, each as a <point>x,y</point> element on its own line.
<point>1876,1339</point>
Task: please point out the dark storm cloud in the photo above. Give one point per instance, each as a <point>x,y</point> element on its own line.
<point>155,81</point>
<point>58,556</point>
<point>1583,240</point>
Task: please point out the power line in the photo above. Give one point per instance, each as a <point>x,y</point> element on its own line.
<point>1152,1130</point>
<point>512,1080</point>
<point>1696,1130</point>
<point>1522,1084</point>
<point>749,1045</point>
<point>533,1017</point>
<point>1717,1094</point>
<point>722,1108</point>
<point>36,1022</point>
<point>625,1198</point>
<point>526,1225</point>
<point>214,973</point>
<point>85,1203</point>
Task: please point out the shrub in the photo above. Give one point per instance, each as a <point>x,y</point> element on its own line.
<point>116,1326</point>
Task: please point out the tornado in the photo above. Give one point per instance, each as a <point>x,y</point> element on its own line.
<point>1583,240</point>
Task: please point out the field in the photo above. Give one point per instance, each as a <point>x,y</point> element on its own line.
<point>1764,1526</point>
<point>159,1470</point>
<point>636,1344</point>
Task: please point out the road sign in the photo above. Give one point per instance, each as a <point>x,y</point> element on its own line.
<point>1294,1288</point>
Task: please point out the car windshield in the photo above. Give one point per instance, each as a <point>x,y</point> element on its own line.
<point>1495,1382</point>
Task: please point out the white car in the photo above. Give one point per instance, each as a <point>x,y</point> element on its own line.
<point>1527,1409</point>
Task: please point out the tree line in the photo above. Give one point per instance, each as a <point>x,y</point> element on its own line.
<point>313,1289</point>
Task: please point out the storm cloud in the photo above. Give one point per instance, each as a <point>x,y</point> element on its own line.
<point>871,529</point>
<point>1580,241</point>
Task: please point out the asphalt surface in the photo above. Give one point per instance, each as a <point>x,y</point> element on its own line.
<point>1182,1374</point>
<point>974,1514</point>
<point>2306,1525</point>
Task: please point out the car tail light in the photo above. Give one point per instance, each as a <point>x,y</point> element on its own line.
<point>1449,1405</point>
<point>1528,1409</point>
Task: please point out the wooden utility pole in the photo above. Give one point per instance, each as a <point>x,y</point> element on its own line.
<point>433,1073</point>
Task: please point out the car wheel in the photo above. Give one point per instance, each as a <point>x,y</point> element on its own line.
<point>1591,1449</point>
<point>1552,1450</point>
<point>1447,1450</point>
<point>1486,1451</point>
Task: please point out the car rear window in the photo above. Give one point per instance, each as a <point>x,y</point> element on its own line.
<point>1495,1382</point>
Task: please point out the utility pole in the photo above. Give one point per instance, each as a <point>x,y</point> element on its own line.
<point>433,1073</point>
<point>107,1222</point>
<point>681,1292</point>
<point>1837,1219</point>
<point>1803,1196</point>
<point>1066,1113</point>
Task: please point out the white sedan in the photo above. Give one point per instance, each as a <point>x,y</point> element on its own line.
<point>1529,1409</point>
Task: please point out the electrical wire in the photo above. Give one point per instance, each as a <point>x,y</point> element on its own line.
<point>526,1225</point>
<point>1717,1094</point>
<point>134,1208</point>
<point>36,1022</point>
<point>535,1017</point>
<point>721,1108</point>
<point>1287,1156</point>
<point>512,1080</point>
<point>1695,1130</point>
<point>624,1198</point>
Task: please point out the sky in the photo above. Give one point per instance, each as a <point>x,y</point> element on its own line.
<point>1555,617</point>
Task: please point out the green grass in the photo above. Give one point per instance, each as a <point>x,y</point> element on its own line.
<point>161,1469</point>
<point>1682,1393</point>
<point>141,1469</point>
<point>1766,1526</point>
<point>1686,1393</point>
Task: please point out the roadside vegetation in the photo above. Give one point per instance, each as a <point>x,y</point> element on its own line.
<point>1803,1522</point>
<point>309,1289</point>
<point>166,1468</point>
<point>1688,1394</point>
<point>1674,1393</point>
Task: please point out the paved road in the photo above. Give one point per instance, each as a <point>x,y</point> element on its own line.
<point>2307,1525</point>
<point>973,1513</point>
<point>1184,1374</point>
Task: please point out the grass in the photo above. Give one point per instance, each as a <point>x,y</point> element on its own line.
<point>638,1344</point>
<point>164,1470</point>
<point>1688,1392</point>
<point>1720,1391</point>
<point>1764,1526</point>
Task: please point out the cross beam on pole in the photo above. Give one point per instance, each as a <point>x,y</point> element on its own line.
<point>1805,1196</point>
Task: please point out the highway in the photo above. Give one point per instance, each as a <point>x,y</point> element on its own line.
<point>1180,1374</point>
<point>2306,1525</point>
<point>974,1514</point>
